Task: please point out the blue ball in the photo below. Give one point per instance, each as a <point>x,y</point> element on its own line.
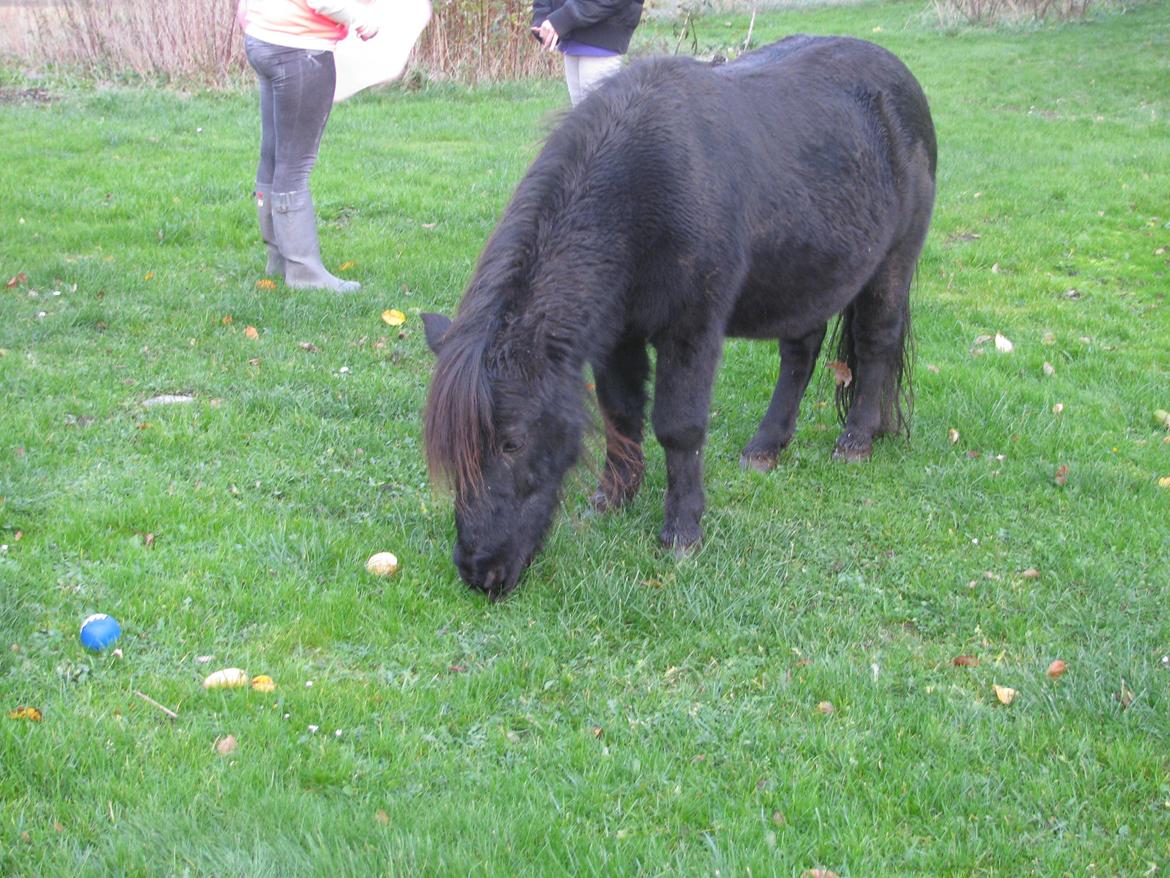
<point>99,631</point>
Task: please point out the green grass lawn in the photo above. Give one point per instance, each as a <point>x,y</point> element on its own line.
<point>623,712</point>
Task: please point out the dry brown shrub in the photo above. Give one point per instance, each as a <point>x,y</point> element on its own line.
<point>987,12</point>
<point>482,41</point>
<point>198,41</point>
<point>187,40</point>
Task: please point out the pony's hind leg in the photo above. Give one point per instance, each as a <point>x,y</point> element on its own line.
<point>874,343</point>
<point>798,356</point>
<point>621,394</point>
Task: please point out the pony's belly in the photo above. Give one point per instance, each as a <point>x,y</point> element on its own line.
<point>764,311</point>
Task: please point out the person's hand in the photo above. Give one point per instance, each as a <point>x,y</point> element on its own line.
<point>548,36</point>
<point>367,31</point>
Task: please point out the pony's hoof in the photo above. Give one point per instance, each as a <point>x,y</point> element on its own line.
<point>603,501</point>
<point>599,503</point>
<point>679,545</point>
<point>852,453</point>
<point>760,461</point>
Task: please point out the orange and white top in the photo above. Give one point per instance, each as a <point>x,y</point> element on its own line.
<point>303,24</point>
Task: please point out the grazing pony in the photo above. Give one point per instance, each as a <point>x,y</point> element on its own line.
<point>681,203</point>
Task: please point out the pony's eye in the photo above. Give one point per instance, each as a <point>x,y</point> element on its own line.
<point>511,446</point>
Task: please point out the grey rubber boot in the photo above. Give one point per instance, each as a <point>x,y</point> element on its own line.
<point>295,225</point>
<point>264,212</point>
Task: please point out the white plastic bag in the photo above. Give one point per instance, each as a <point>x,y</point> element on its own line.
<point>363,63</point>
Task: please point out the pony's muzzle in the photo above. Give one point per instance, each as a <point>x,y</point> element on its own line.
<point>493,573</point>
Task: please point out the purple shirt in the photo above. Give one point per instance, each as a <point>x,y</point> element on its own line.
<point>583,50</point>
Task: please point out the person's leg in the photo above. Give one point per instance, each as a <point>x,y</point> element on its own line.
<point>591,72</point>
<point>572,78</point>
<point>262,193</point>
<point>302,97</point>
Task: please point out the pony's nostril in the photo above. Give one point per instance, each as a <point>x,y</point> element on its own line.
<point>492,581</point>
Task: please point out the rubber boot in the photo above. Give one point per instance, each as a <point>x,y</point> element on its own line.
<point>264,212</point>
<point>295,225</point>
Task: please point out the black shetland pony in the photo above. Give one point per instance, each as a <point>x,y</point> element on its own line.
<point>678,204</point>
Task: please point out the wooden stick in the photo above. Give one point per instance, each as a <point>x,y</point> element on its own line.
<point>150,700</point>
<point>751,27</point>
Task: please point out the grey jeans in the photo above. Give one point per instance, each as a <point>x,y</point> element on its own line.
<point>296,95</point>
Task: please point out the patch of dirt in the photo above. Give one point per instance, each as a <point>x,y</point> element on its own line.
<point>25,96</point>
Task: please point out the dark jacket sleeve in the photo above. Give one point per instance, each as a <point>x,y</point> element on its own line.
<point>541,9</point>
<point>582,13</point>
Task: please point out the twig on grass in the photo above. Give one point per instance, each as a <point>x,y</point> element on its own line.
<point>150,700</point>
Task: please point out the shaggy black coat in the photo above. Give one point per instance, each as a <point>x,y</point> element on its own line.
<point>678,204</point>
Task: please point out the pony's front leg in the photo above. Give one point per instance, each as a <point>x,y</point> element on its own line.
<point>621,394</point>
<point>684,376</point>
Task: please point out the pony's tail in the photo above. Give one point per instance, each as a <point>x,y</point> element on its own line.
<point>897,404</point>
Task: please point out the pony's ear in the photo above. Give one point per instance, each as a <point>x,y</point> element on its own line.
<point>435,326</point>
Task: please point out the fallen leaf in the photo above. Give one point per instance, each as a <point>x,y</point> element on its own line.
<point>29,713</point>
<point>263,683</point>
<point>1163,418</point>
<point>597,731</point>
<point>309,346</point>
<point>456,669</point>
<point>17,280</point>
<point>148,276</point>
<point>393,317</point>
<point>382,817</point>
<point>826,707</point>
<point>818,873</point>
<point>1005,694</point>
<point>1003,345</point>
<point>226,746</point>
<point>265,284</point>
<point>1056,669</point>
<point>981,339</point>
<point>1030,573</point>
<point>842,374</point>
<point>226,320</point>
<point>965,661</point>
<point>347,265</point>
<point>148,540</point>
<point>1164,482</point>
<point>932,369</point>
<point>1125,696</point>
<point>252,332</point>
<point>1061,477</point>
<point>953,436</point>
<point>1049,369</point>
<point>228,678</point>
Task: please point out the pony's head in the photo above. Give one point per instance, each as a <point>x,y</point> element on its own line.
<point>502,428</point>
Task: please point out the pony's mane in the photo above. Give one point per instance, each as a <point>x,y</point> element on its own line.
<point>457,426</point>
